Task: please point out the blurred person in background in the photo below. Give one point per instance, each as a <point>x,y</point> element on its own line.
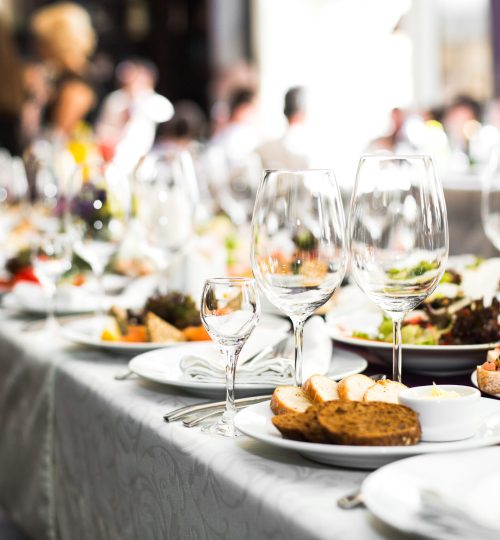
<point>11,93</point>
<point>233,166</point>
<point>395,140</point>
<point>185,130</point>
<point>292,149</point>
<point>130,115</point>
<point>65,40</point>
<point>460,120</point>
<point>239,137</point>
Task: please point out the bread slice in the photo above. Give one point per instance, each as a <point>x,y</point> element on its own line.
<point>301,426</point>
<point>488,381</point>
<point>386,391</point>
<point>320,389</point>
<point>120,316</point>
<point>354,387</point>
<point>370,424</point>
<point>287,399</point>
<point>160,331</point>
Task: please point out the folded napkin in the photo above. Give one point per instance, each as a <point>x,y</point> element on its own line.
<point>269,370</point>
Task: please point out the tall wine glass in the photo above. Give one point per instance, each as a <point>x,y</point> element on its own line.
<point>490,200</point>
<point>98,214</point>
<point>298,244</point>
<point>166,196</point>
<point>51,256</point>
<point>398,233</point>
<point>230,310</point>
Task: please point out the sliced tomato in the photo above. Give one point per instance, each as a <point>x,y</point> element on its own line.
<point>25,274</point>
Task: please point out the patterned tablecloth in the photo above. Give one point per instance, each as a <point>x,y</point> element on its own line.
<point>83,456</point>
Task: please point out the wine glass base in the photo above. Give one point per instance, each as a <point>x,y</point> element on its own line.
<point>221,427</point>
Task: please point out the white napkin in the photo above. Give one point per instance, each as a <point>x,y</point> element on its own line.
<point>317,354</point>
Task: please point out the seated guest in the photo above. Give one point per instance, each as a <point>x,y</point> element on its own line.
<point>11,93</point>
<point>395,140</point>
<point>184,130</point>
<point>65,40</point>
<point>291,151</point>
<point>239,138</point>
<point>130,115</point>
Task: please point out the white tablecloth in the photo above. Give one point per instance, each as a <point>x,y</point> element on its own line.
<point>83,456</point>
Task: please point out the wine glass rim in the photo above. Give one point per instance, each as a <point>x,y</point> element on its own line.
<point>395,156</point>
<point>299,170</point>
<point>231,279</point>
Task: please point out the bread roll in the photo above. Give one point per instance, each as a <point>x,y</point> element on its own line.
<point>287,399</point>
<point>385,390</point>
<point>354,387</point>
<point>488,381</point>
<point>320,389</point>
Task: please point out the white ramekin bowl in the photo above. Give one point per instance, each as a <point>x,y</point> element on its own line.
<point>444,419</point>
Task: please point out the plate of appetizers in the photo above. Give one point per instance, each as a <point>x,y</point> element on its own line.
<point>164,320</point>
<point>448,334</point>
<point>357,423</point>
<point>486,377</point>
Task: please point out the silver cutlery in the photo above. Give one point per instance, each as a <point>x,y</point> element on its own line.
<point>124,375</point>
<point>199,419</point>
<point>353,500</point>
<point>217,407</point>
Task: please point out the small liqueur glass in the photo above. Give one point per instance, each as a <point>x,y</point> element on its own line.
<point>230,310</point>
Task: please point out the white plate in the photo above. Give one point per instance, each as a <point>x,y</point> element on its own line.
<point>87,330</point>
<point>37,305</point>
<point>473,378</point>
<point>255,421</point>
<point>467,480</point>
<point>355,312</point>
<point>164,367</point>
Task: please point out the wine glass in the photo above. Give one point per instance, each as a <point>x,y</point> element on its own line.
<point>51,258</point>
<point>165,200</point>
<point>490,200</point>
<point>230,310</point>
<point>298,244</point>
<point>398,233</point>
<point>99,207</point>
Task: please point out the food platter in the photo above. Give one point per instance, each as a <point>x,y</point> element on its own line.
<point>86,331</point>
<point>356,312</point>
<point>255,421</point>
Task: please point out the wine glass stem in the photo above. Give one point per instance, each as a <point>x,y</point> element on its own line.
<point>298,334</point>
<point>397,349</point>
<point>231,354</point>
<point>99,276</point>
<point>51,290</point>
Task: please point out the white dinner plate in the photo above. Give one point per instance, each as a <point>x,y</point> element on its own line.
<point>355,312</point>
<point>27,297</point>
<point>467,481</point>
<point>87,331</point>
<point>163,366</point>
<point>473,378</point>
<point>255,421</point>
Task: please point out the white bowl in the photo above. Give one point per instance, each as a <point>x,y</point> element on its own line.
<point>444,419</point>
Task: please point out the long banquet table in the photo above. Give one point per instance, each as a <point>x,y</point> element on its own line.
<point>84,456</point>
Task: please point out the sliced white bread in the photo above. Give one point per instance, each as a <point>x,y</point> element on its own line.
<point>288,399</point>
<point>353,387</point>
<point>160,331</point>
<point>488,381</point>
<point>386,391</point>
<point>320,389</point>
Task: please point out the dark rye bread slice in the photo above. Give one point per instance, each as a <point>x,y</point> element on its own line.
<point>370,424</point>
<point>301,426</point>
